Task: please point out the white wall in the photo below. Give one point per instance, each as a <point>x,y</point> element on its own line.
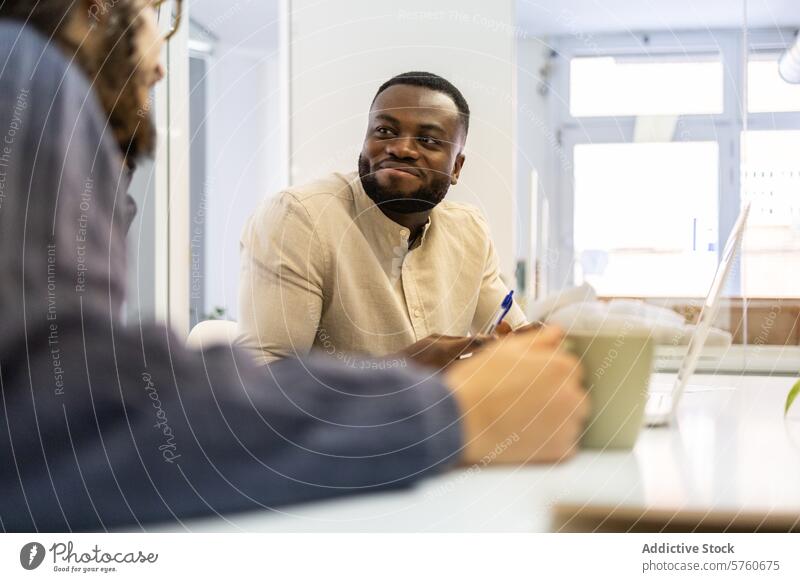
<point>342,52</point>
<point>537,142</point>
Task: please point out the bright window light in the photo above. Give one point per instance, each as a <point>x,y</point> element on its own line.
<point>767,92</point>
<point>771,181</point>
<point>612,86</point>
<point>646,218</point>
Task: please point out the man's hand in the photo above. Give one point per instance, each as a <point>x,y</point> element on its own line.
<point>439,351</point>
<point>525,388</point>
<point>504,328</point>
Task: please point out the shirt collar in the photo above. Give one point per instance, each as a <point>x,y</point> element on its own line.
<point>376,225</point>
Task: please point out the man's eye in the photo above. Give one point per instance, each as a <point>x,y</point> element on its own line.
<point>383,131</point>
<point>428,140</point>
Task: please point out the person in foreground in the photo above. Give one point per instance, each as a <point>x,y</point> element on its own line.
<point>104,426</point>
<point>377,261</point>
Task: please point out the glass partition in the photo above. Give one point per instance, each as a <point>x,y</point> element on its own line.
<point>659,128</point>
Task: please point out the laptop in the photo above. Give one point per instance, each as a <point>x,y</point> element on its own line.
<point>662,407</point>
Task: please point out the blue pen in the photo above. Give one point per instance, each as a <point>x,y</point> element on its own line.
<point>500,314</point>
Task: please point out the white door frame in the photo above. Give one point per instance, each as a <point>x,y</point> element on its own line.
<point>172,203</point>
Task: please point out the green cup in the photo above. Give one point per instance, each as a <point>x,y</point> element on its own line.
<point>616,375</point>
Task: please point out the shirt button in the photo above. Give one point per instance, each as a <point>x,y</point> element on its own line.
<point>417,313</point>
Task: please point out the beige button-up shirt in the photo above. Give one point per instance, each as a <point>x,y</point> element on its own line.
<point>322,267</point>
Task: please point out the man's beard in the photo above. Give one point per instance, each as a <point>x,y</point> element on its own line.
<point>424,199</point>
<point>119,84</point>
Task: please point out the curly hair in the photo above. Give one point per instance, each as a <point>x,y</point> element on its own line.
<point>113,72</point>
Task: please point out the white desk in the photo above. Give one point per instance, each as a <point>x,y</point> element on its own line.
<point>731,450</point>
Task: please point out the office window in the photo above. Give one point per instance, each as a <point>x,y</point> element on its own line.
<point>672,85</point>
<point>657,158</point>
<point>771,181</point>
<point>767,92</point>
<point>646,218</point>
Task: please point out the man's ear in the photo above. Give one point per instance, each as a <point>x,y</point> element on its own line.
<point>457,169</point>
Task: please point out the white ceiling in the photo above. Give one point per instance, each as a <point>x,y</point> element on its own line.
<point>541,17</point>
<point>246,24</point>
<point>252,24</point>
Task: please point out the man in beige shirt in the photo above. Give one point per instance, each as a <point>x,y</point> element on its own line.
<point>377,262</point>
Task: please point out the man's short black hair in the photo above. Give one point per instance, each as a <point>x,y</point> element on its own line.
<point>435,83</point>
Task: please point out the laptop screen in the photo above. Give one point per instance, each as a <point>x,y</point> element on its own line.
<point>710,309</point>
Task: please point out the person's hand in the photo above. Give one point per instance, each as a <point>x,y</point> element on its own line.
<point>523,393</point>
<point>504,328</point>
<point>439,351</point>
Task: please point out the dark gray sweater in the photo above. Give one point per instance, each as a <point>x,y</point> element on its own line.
<point>104,426</point>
